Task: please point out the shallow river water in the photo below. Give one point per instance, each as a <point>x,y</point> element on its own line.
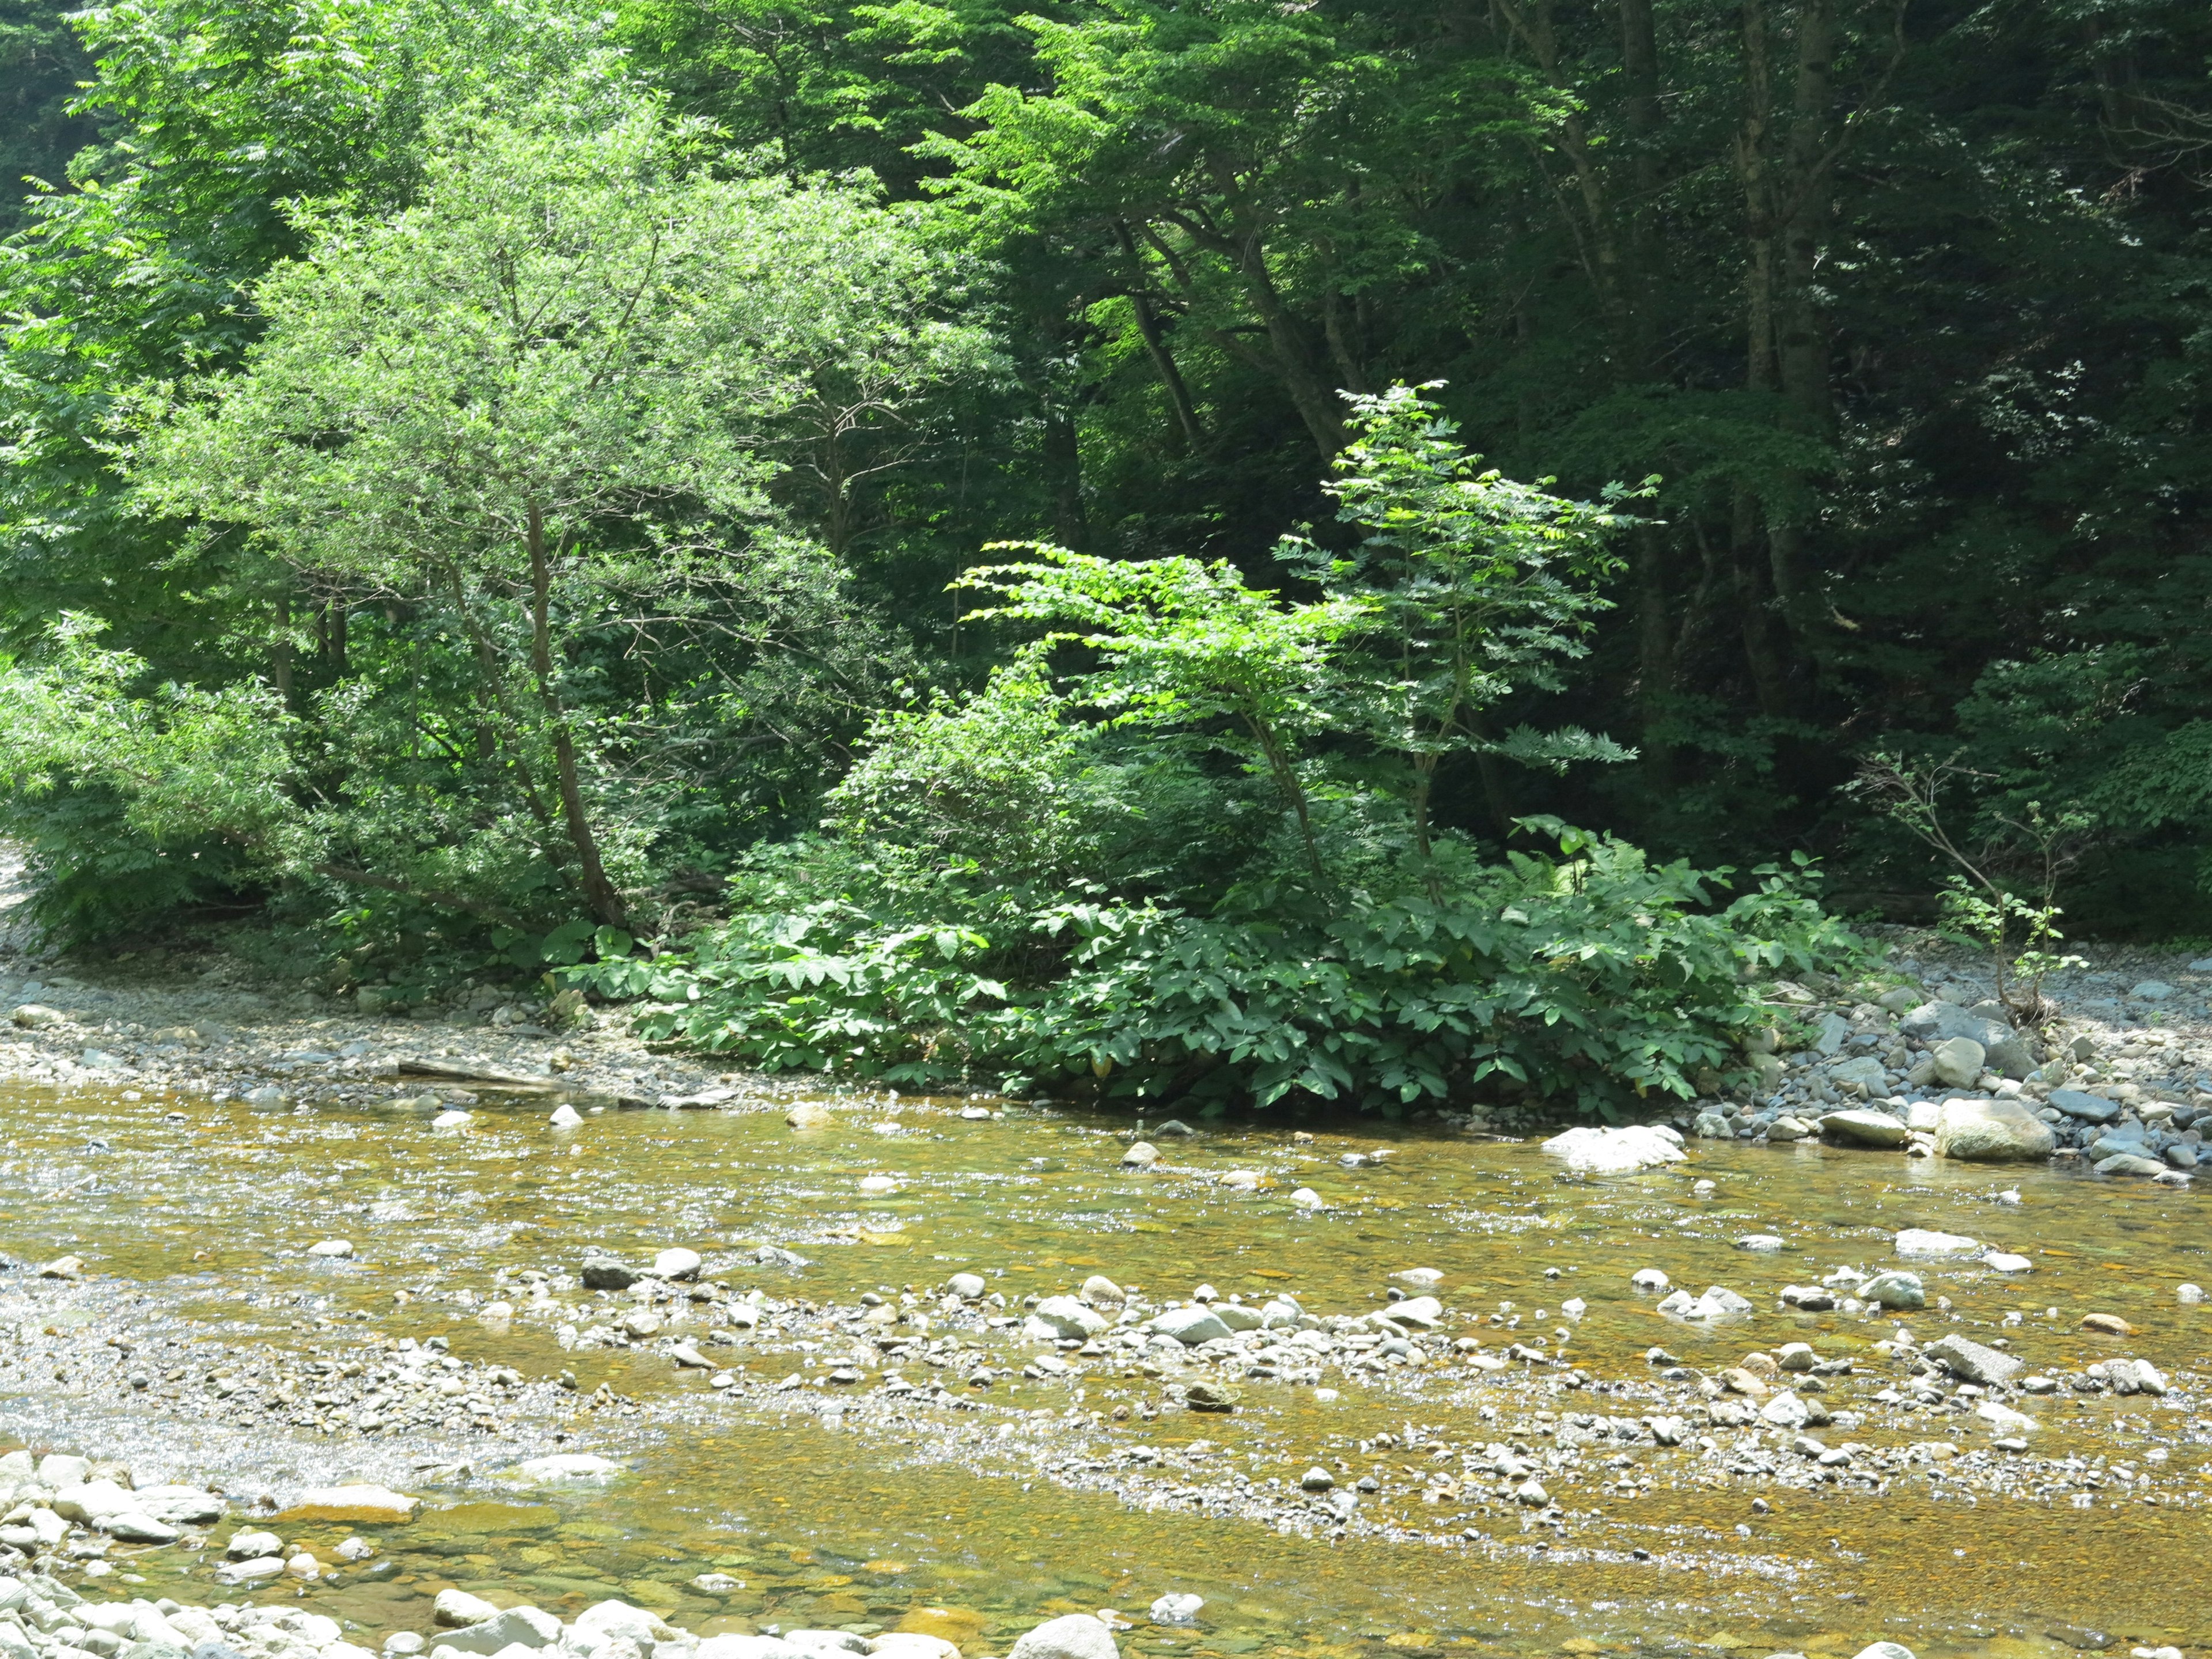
<point>196,1225</point>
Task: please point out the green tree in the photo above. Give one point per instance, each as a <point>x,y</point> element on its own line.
<point>549,386</point>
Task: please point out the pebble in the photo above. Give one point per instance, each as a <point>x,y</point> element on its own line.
<point>966,1285</point>
<point>1307,1199</point>
<point>1141,1156</point>
<point>333,1250</point>
<point>1649,1278</point>
<point>1922,1241</point>
<point>452,1120</point>
<point>566,1117</point>
<point>2190,1295</point>
<point>878,1184</point>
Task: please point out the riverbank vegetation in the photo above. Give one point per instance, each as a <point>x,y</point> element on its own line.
<point>1353,553</point>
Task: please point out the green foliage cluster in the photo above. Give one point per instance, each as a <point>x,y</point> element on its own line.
<point>1194,860</point>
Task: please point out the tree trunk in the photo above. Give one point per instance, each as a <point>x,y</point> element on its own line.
<point>599,894</point>
<point>1155,346</point>
<point>1063,457</point>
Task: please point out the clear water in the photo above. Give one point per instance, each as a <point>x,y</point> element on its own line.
<point>203,1220</point>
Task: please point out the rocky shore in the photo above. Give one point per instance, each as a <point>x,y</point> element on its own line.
<point>1923,1060</point>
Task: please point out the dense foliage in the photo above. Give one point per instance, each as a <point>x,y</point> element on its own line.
<point>473,473</point>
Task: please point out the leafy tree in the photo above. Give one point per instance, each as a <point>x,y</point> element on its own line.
<point>547,387</point>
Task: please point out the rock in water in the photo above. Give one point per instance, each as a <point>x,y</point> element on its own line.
<point>1894,1291</point>
<point>1991,1131</point>
<point>1190,1326</point>
<point>1864,1126</point>
<point>677,1265</point>
<point>1973,1362</point>
<point>566,1117</point>
<point>604,1273</point>
<point>1073,1636</point>
<point>1617,1151</point>
<point>1176,1608</point>
<point>1921,1242</point>
<point>356,1504</point>
<point>1068,1319</point>
<point>809,1116</point>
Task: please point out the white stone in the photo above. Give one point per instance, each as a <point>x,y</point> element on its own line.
<point>966,1285</point>
<point>1759,1243</point>
<point>1068,1319</point>
<point>1176,1608</point>
<point>1307,1199</point>
<point>2190,1295</point>
<point>334,1249</point>
<point>2005,1262</point>
<point>878,1184</point>
<point>1619,1150</point>
<point>1649,1278</point>
<point>452,1120</point>
<point>566,1117</point>
<point>676,1264</point>
<point>1785,1411</point>
<point>1190,1326</point>
<point>2004,1419</point>
<point>1923,1242</point>
<point>1073,1636</point>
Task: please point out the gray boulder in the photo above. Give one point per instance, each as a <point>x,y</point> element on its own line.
<point>2012,1058</point>
<point>1865,1127</point>
<point>1938,1021</point>
<point>1865,1072</point>
<point>1190,1326</point>
<point>1958,1061</point>
<point>2090,1108</point>
<point>1067,1318</point>
<point>1894,1291</point>
<point>606,1272</point>
<point>1991,1131</point>
<point>2129,1164</point>
<point>1973,1362</point>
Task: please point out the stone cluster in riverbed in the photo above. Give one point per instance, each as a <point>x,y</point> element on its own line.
<point>1512,1431</point>
<point>2121,1082</point>
<point>42,1618</point>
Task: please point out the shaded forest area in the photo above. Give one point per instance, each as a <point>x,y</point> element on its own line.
<point>499,476</point>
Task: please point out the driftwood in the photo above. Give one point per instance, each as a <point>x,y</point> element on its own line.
<point>439,1072</point>
<point>444,1074</point>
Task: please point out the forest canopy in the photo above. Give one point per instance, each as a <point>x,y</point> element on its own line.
<point>1352,551</point>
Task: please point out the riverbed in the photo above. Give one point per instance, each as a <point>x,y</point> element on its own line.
<point>202,1342</point>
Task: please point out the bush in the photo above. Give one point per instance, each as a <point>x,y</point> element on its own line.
<point>1592,981</point>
